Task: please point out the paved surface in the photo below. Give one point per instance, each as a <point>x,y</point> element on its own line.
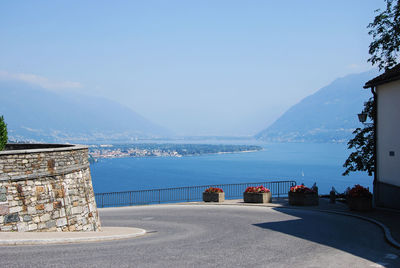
<point>389,218</point>
<point>34,238</point>
<point>220,236</point>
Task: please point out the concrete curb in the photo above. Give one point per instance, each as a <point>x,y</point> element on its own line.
<point>388,236</point>
<point>44,238</point>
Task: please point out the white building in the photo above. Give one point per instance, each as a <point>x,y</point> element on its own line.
<point>386,89</point>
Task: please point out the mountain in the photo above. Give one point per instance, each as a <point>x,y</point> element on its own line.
<point>33,113</point>
<point>329,115</point>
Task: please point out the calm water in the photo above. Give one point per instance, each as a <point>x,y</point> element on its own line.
<point>304,163</point>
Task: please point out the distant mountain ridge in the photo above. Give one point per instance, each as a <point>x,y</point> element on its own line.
<point>36,114</point>
<point>329,115</point>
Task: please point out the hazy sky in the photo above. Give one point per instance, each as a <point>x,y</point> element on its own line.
<point>197,67</point>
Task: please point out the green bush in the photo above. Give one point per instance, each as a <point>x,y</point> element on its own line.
<point>3,133</point>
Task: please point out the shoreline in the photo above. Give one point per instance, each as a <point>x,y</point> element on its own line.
<point>177,156</point>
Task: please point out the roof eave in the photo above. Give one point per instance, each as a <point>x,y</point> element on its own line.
<point>371,83</point>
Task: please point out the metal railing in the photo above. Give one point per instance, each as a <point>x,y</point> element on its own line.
<point>185,194</point>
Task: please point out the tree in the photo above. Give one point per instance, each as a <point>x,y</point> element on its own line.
<point>384,51</point>
<point>364,144</point>
<point>385,30</point>
<point>3,133</point>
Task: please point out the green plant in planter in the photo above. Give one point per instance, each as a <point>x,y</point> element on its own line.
<point>213,194</point>
<point>359,198</point>
<point>3,133</point>
<point>301,195</point>
<point>258,194</point>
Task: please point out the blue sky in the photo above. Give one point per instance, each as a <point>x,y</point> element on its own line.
<point>197,67</point>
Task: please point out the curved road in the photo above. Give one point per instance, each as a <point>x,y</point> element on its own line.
<point>220,236</point>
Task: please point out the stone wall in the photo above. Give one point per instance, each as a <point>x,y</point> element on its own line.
<point>46,189</point>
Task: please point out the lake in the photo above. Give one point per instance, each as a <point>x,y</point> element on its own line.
<point>303,162</point>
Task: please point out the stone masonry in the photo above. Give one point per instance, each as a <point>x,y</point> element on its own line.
<point>46,189</point>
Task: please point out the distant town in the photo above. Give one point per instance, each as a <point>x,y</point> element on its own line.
<point>163,150</point>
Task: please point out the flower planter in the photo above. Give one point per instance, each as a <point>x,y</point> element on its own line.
<point>257,197</point>
<point>213,197</point>
<point>360,203</point>
<point>303,199</point>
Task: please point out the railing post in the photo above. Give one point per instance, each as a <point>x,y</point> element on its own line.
<point>279,191</point>
<point>159,196</point>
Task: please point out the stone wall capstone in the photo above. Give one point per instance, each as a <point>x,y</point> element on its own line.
<point>46,188</point>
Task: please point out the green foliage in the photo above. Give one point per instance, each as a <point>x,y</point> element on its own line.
<point>384,51</point>
<point>385,30</point>
<point>3,133</point>
<point>364,144</point>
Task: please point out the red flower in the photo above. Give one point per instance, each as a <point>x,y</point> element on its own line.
<point>359,191</point>
<point>301,189</point>
<point>214,190</point>
<point>258,189</point>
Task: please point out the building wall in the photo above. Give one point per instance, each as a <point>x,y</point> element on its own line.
<point>388,129</point>
<point>46,189</point>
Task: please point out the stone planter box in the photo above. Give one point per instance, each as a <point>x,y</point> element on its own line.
<point>303,199</point>
<point>213,197</point>
<point>257,197</point>
<point>360,203</point>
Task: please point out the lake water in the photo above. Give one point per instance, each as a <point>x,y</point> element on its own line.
<point>303,162</point>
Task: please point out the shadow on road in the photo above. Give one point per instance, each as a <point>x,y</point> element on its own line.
<point>348,234</point>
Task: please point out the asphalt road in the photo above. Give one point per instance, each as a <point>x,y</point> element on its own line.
<point>220,236</point>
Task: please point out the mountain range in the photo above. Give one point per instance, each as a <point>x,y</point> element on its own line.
<point>33,113</point>
<point>328,115</point>
<point>37,114</point>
